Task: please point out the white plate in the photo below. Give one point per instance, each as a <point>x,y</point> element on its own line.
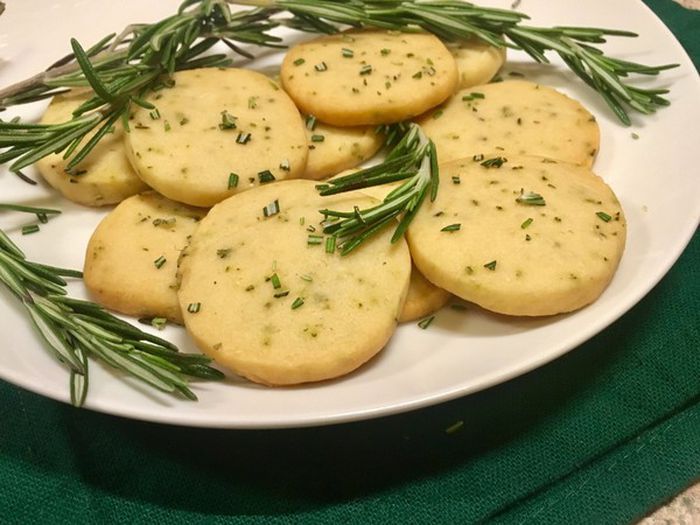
<point>656,178</point>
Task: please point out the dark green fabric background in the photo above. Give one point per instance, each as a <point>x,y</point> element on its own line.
<point>602,435</point>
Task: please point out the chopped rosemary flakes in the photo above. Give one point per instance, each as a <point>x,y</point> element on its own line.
<point>266,176</point>
<point>310,122</point>
<point>456,179</point>
<point>228,121</point>
<point>347,53</point>
<point>160,262</point>
<point>314,239</point>
<point>243,138</point>
<point>299,61</point>
<point>299,301</point>
<point>366,70</point>
<point>194,308</point>
<point>232,180</point>
<point>159,322</point>
<point>166,223</point>
<point>285,166</point>
<point>490,265</point>
<point>454,427</point>
<point>473,96</point>
<point>321,67</point>
<point>495,162</point>
<point>317,138</point>
<point>530,198</point>
<point>222,253</point>
<point>425,323</point>
<point>451,227</point>
<point>526,223</point>
<point>272,209</point>
<point>29,229</point>
<point>275,279</point>
<point>155,114</point>
<point>603,216</point>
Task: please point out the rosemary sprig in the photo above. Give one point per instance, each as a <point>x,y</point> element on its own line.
<point>456,20</point>
<point>413,159</point>
<point>75,330</point>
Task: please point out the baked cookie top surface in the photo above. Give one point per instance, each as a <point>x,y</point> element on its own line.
<point>520,235</point>
<point>514,117</point>
<point>214,133</point>
<point>369,77</point>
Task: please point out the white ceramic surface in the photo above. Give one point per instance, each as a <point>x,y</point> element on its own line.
<point>655,176</point>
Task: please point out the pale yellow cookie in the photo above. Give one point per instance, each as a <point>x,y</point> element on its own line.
<point>104,177</point>
<point>514,117</point>
<point>262,296</point>
<point>477,61</point>
<point>520,235</point>
<point>131,259</point>
<point>216,132</point>
<point>423,298</point>
<point>369,77</point>
<point>333,149</point>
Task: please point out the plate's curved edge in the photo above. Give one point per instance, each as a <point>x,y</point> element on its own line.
<point>167,417</point>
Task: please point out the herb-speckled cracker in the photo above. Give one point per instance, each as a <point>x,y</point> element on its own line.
<point>369,77</point>
<point>333,149</point>
<point>216,132</point>
<point>261,294</point>
<point>477,62</point>
<point>520,235</point>
<point>423,298</point>
<point>131,259</point>
<point>104,177</point>
<point>514,117</point>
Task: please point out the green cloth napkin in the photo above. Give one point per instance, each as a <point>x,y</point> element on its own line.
<point>602,435</point>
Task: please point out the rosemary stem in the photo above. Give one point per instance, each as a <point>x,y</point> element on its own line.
<point>255,3</point>
<point>41,79</point>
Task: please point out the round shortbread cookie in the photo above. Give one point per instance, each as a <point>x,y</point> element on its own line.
<point>531,237</point>
<point>105,176</point>
<point>514,117</point>
<point>131,259</point>
<point>369,77</point>
<point>333,149</point>
<point>423,298</point>
<point>262,296</point>
<point>477,61</point>
<point>216,132</point>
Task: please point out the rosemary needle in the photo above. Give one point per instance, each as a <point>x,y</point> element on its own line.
<point>412,159</point>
